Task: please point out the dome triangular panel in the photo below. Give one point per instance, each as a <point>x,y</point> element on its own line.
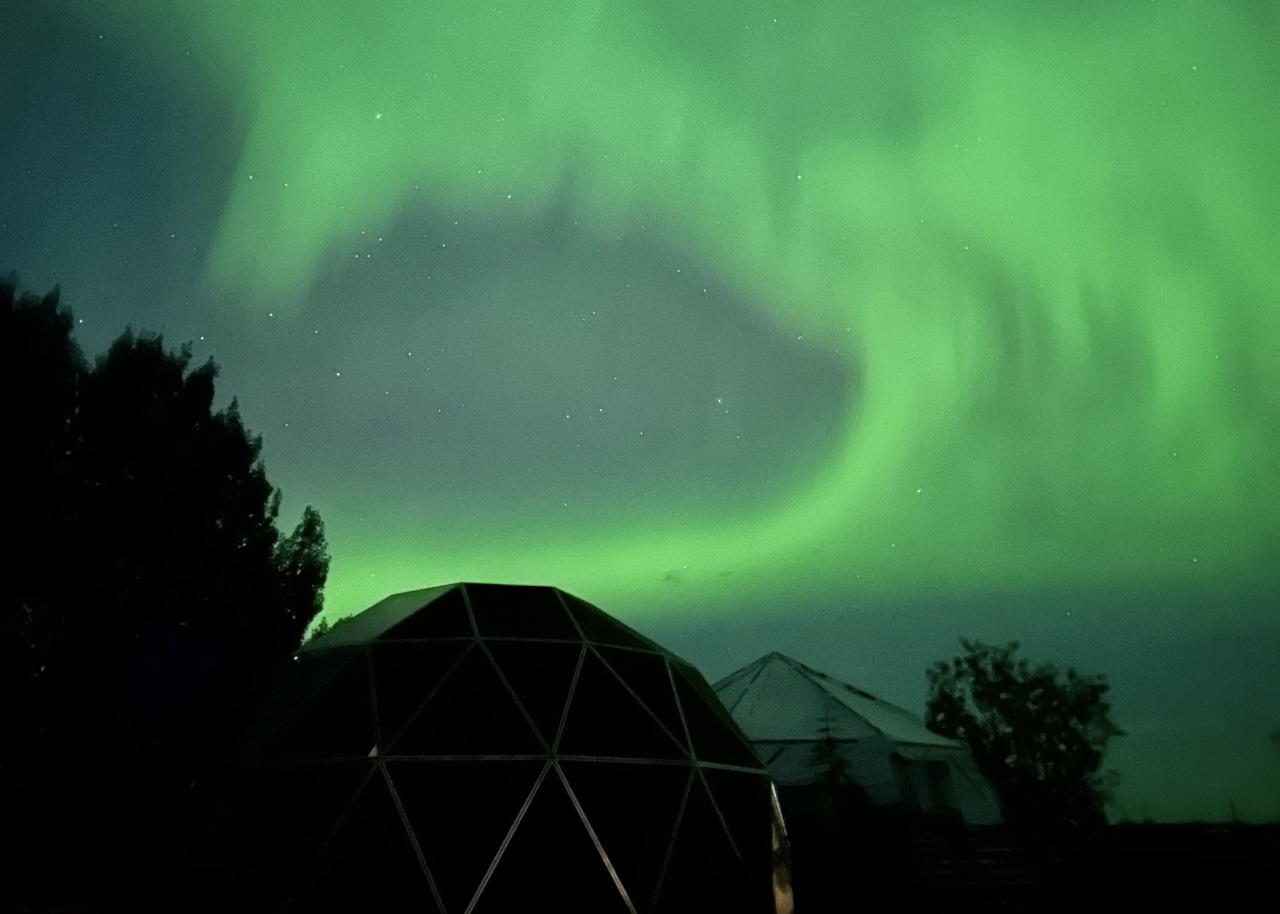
<point>633,810</point>
<point>460,813</point>
<point>444,617</point>
<point>505,611</point>
<point>744,805</point>
<point>472,713</point>
<point>370,862</point>
<point>713,739</point>
<point>540,674</point>
<point>600,629</point>
<point>606,720</point>
<point>550,850</point>
<point>405,675</point>
<point>336,722</point>
<point>701,842</point>
<point>646,674</point>
<point>295,809</point>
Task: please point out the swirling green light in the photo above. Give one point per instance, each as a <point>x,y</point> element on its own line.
<point>1050,237</point>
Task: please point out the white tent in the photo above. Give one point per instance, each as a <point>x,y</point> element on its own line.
<point>803,723</point>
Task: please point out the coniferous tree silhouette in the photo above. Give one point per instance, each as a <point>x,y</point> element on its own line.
<point>833,784</point>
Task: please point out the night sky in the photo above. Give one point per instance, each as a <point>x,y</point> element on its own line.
<point>839,328</point>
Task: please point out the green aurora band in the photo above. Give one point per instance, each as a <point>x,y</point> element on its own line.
<point>1045,236</point>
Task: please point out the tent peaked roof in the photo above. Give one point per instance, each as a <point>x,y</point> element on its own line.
<point>779,699</point>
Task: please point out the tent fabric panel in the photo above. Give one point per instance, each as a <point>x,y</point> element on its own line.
<point>789,764</point>
<point>881,716</point>
<point>785,704</point>
<point>926,785</point>
<point>931,753</point>
<point>738,683</point>
<point>974,796</point>
<point>866,763</point>
<point>894,722</point>
<point>784,699</point>
<point>871,767</point>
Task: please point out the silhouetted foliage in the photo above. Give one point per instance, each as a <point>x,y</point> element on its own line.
<point>323,627</point>
<point>303,564</point>
<point>1037,734</point>
<point>139,509</point>
<point>43,372</point>
<point>834,785</point>
<point>149,587</point>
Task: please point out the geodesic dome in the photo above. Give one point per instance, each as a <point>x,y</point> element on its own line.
<point>485,747</point>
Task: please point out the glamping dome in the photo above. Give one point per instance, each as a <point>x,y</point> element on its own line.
<point>801,721</point>
<point>490,748</point>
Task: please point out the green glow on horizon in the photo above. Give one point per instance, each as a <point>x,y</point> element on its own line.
<point>1053,240</point>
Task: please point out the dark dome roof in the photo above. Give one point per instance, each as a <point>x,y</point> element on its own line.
<point>480,746</point>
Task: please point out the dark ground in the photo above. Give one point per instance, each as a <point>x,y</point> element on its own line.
<point>909,864</point>
<point>1002,869</point>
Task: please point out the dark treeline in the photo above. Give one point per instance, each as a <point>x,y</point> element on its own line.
<point>147,594</point>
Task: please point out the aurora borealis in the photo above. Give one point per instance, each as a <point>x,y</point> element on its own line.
<point>723,315</point>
